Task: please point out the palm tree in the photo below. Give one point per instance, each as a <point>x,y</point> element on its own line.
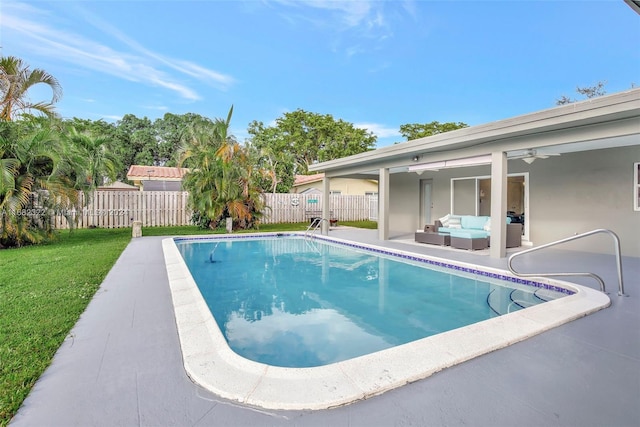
<point>39,175</point>
<point>221,181</point>
<point>16,78</point>
<point>99,161</point>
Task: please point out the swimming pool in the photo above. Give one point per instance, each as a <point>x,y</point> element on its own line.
<point>210,362</point>
<point>294,302</point>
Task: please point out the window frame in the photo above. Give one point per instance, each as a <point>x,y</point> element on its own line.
<point>636,186</point>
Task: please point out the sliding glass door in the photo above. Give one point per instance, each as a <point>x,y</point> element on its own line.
<point>472,196</point>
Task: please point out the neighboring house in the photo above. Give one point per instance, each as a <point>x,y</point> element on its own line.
<point>117,186</point>
<point>312,184</point>
<point>569,170</point>
<point>156,178</point>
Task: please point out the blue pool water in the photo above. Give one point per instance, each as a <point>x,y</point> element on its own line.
<point>296,302</point>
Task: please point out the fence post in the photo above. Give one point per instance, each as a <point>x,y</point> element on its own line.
<point>158,208</point>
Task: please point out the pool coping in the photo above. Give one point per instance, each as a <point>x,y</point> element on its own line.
<point>210,362</point>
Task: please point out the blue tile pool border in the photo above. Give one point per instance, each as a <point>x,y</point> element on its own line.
<point>389,252</point>
<point>209,362</point>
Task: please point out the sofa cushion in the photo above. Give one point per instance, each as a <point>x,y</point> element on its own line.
<point>474,222</point>
<point>469,234</point>
<point>467,222</point>
<point>455,222</point>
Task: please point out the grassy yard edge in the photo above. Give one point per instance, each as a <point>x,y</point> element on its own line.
<point>45,288</point>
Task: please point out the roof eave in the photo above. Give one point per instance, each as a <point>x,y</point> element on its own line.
<point>592,111</point>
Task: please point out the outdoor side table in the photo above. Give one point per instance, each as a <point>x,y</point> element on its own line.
<point>442,239</point>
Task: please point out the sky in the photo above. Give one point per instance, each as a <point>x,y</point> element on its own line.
<point>376,64</point>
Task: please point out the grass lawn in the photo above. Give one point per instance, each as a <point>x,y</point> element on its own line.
<point>191,229</point>
<point>371,225</point>
<point>43,291</point>
<point>45,288</point>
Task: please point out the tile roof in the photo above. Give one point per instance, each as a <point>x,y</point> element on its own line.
<point>305,179</point>
<point>156,172</point>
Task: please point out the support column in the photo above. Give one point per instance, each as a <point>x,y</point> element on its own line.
<point>326,204</point>
<point>498,205</point>
<point>383,204</point>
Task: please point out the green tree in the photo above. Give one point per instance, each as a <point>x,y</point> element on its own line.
<point>39,174</point>
<point>221,179</point>
<point>273,158</point>
<point>310,137</point>
<point>99,160</point>
<point>171,131</point>
<point>94,128</point>
<point>277,170</point>
<point>588,92</point>
<point>134,143</point>
<point>413,131</point>
<point>140,141</point>
<point>16,78</point>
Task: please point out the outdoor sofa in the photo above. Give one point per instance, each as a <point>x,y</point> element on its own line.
<point>472,228</point>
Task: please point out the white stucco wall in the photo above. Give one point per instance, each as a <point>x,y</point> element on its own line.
<point>579,192</point>
<point>404,203</point>
<point>570,194</point>
<point>347,187</point>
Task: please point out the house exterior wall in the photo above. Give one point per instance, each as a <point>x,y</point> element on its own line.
<point>569,194</point>
<point>580,192</point>
<point>405,188</point>
<point>347,187</point>
<point>404,203</point>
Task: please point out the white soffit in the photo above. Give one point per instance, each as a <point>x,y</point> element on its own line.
<point>597,111</point>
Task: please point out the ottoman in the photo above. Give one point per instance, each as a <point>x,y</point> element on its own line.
<point>469,239</point>
<point>442,239</point>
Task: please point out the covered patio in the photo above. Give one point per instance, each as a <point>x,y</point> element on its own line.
<point>122,364</point>
<point>588,148</point>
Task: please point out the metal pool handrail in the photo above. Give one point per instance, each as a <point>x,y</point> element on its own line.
<point>314,224</point>
<point>568,239</point>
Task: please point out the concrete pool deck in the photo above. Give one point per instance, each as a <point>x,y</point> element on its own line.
<point>122,364</point>
<point>210,362</point>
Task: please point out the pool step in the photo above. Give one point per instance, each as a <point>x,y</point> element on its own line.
<point>502,301</point>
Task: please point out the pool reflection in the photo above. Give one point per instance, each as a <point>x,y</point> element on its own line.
<point>286,302</point>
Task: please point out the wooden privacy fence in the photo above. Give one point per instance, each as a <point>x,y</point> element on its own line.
<point>118,209</point>
<point>289,208</point>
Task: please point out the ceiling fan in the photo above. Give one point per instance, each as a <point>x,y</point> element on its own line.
<point>530,155</point>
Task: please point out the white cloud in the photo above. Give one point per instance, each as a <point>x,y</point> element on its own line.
<point>202,73</point>
<point>379,130</point>
<point>108,117</point>
<point>240,134</point>
<point>350,13</point>
<point>185,67</point>
<point>410,7</point>
<point>156,107</point>
<point>138,64</point>
<point>348,22</point>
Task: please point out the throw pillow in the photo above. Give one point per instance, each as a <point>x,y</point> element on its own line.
<point>445,220</point>
<point>455,222</point>
<point>487,225</point>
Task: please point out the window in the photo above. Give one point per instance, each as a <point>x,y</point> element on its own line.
<point>636,186</point>
<point>472,196</point>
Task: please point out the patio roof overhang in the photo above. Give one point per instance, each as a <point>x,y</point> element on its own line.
<point>604,122</point>
<point>634,4</point>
